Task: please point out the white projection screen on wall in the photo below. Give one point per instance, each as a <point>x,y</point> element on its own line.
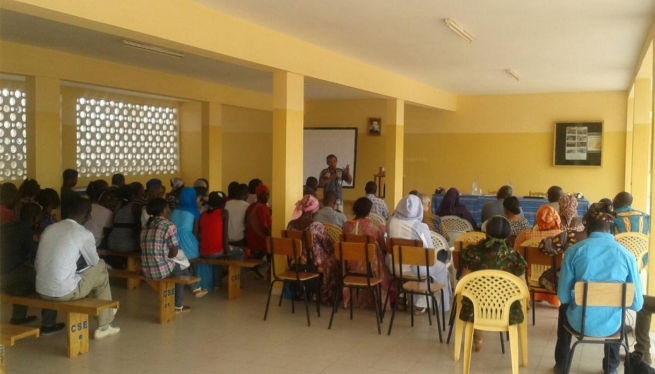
<point>321,142</point>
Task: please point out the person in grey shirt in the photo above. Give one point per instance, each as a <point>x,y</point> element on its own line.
<point>495,208</point>
<point>327,214</point>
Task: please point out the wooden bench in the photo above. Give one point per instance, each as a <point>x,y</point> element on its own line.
<point>133,264</point>
<point>233,272</point>
<point>9,334</point>
<point>77,316</point>
<point>164,287</point>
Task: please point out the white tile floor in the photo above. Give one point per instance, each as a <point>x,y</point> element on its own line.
<point>217,336</point>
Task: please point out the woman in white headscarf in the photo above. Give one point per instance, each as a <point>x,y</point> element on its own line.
<point>407,223</point>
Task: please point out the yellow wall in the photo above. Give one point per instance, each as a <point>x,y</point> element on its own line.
<point>247,145</point>
<point>503,138</point>
<point>495,139</point>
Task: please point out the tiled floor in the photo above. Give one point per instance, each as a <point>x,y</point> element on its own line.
<point>217,336</point>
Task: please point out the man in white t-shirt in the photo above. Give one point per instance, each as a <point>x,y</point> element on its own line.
<point>236,225</point>
<point>68,267</point>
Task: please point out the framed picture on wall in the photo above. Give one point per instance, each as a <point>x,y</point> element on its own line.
<point>374,126</point>
<point>578,144</point>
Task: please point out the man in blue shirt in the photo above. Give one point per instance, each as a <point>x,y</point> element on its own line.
<point>628,219</point>
<point>332,178</point>
<point>597,259</point>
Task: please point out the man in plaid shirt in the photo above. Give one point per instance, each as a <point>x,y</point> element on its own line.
<point>379,206</point>
<point>160,255</point>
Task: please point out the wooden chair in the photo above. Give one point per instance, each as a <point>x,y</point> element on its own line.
<point>598,294</point>
<point>420,257</point>
<point>492,293</point>
<point>636,243</point>
<point>377,219</point>
<point>291,248</point>
<point>441,244</point>
<point>537,194</point>
<point>537,263</point>
<point>333,231</point>
<point>361,252</point>
<point>396,269</point>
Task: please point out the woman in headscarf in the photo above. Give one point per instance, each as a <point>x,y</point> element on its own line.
<point>568,212</point>
<point>549,224</point>
<point>322,253</point>
<point>406,223</point>
<point>173,197</point>
<point>450,206</point>
<point>492,253</point>
<point>186,217</point>
<point>362,225</point>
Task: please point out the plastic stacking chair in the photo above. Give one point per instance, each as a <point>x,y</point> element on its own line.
<point>456,226</point>
<point>598,294</point>
<point>333,231</point>
<point>360,252</point>
<point>636,243</point>
<point>291,249</point>
<point>420,257</point>
<point>492,293</point>
<point>377,219</point>
<point>463,241</point>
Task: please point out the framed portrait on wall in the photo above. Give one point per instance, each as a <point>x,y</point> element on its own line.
<point>374,126</point>
<point>578,144</point>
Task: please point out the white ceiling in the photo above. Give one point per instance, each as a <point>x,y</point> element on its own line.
<point>553,45</point>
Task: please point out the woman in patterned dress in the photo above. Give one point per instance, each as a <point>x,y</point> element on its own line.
<point>492,253</point>
<point>322,253</point>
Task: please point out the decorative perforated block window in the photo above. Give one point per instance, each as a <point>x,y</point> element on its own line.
<point>132,139</point>
<point>13,133</point>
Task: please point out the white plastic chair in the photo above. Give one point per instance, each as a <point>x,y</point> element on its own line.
<point>377,219</point>
<point>456,226</point>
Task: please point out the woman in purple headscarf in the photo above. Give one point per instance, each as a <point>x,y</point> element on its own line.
<point>450,206</point>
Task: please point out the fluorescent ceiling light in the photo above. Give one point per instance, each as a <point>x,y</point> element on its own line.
<point>459,30</point>
<point>152,48</point>
<point>512,74</point>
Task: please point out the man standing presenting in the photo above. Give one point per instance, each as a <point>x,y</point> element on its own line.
<point>597,259</point>
<point>68,267</point>
<point>332,178</point>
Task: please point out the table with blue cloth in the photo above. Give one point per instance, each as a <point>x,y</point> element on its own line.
<point>530,206</point>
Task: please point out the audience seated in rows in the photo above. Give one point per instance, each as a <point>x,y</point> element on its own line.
<point>117,180</point>
<point>496,208</point>
<point>173,197</point>
<point>328,214</point>
<point>67,194</point>
<point>49,201</point>
<point>407,223</point>
<point>322,252</point>
<point>214,234</point>
<point>379,206</point>
<point>554,194</point>
<point>68,267</point>
<point>27,191</point>
<point>492,253</point>
<point>159,250</point>
<point>18,248</point>
<point>258,223</point>
<point>433,221</point>
<point>512,210</point>
<point>252,190</point>
<point>599,258</point>
<point>237,206</point>
<point>450,206</point>
<point>362,225</point>
<point>628,219</point>
<point>123,236</point>
<point>103,203</point>
<point>310,187</point>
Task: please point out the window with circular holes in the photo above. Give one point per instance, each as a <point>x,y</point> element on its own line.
<point>13,135</point>
<point>132,139</point>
